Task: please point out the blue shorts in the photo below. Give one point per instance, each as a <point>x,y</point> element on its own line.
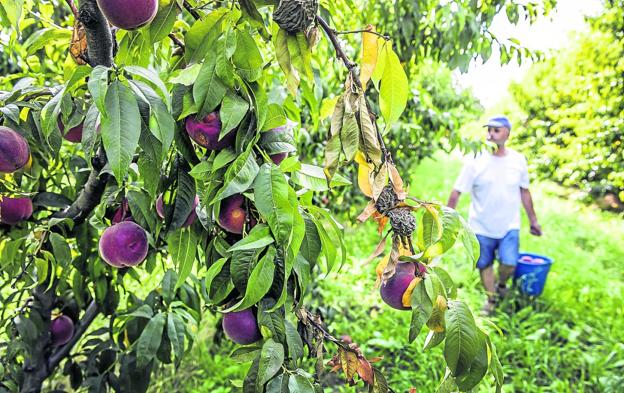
<point>507,248</point>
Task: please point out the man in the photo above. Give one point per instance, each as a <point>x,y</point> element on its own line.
<point>497,181</point>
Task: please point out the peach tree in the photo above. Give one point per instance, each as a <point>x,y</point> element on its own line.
<point>154,179</point>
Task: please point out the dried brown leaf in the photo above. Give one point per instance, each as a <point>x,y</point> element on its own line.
<point>365,371</point>
<point>367,212</point>
<point>78,46</point>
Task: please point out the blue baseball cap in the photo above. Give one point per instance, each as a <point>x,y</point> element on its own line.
<point>499,121</point>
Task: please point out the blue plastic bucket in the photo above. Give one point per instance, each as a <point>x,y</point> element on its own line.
<point>531,273</point>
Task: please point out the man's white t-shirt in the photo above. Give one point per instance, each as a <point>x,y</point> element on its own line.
<point>494,184</point>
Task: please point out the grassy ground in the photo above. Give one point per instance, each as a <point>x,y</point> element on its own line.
<point>569,340</point>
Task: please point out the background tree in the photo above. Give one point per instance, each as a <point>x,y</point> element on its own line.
<point>573,118</point>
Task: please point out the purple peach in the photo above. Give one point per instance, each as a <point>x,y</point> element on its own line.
<point>129,14</point>
<point>61,330</point>
<point>205,132</point>
<point>15,210</point>
<point>241,327</point>
<point>160,210</point>
<point>392,292</point>
<point>124,244</point>
<point>14,150</point>
<point>232,215</point>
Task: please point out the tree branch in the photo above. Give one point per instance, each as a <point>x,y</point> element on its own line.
<point>99,38</point>
<point>80,328</point>
<point>191,10</point>
<point>351,66</point>
<point>41,362</point>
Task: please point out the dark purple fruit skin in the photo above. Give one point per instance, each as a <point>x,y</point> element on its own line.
<point>15,210</point>
<point>124,244</point>
<point>232,214</point>
<point>122,213</point>
<point>61,330</point>
<point>205,132</point>
<point>241,327</point>
<point>14,150</point>
<point>278,157</point>
<point>392,292</point>
<point>160,210</point>
<point>129,14</point>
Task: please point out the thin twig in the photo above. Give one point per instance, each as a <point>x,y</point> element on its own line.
<point>74,10</point>
<point>351,66</point>
<point>176,41</point>
<point>384,36</point>
<point>191,10</point>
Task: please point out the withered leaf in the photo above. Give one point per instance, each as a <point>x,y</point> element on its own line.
<point>78,46</point>
<point>368,211</point>
<point>349,361</point>
<point>365,371</point>
<point>368,133</point>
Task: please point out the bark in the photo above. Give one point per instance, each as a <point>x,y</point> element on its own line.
<point>42,360</point>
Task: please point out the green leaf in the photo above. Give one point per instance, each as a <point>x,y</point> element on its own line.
<point>98,85</point>
<point>162,24</point>
<point>462,338</point>
<point>271,360</point>
<point>62,252</point>
<point>202,171</point>
<point>394,88</point>
<point>161,123</point>
<point>259,283</point>
<point>294,342</point>
<point>12,11</point>
<point>280,41</point>
<point>50,114</point>
<point>469,240</point>
<point>186,76</point>
<point>496,368</point>
<point>247,57</point>
<point>176,329</point>
<point>379,383</point>
<point>182,246</point>
<point>239,176</point>
<point>422,307</point>
<point>47,36</point>
<point>233,110</point>
<point>300,55</point>
<point>313,178</point>
<point>447,281</point>
<point>299,384</point>
<point>311,245</point>
<point>213,272</point>
<point>275,117</point>
<point>450,230</point>
<point>208,90</point>
<point>271,198</point>
<point>478,367</point>
<point>201,36</point>
<point>152,77</point>
<point>223,158</point>
<point>121,128</point>
<point>258,237</point>
<point>433,339</point>
<point>245,354</point>
<point>150,339</point>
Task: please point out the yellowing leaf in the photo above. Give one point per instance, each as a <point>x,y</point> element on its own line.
<point>436,322</point>
<point>370,48</point>
<point>407,295</point>
<point>383,46</point>
<point>282,52</point>
<point>365,171</point>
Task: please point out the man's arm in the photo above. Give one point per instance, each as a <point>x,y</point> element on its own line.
<point>453,198</point>
<point>527,202</point>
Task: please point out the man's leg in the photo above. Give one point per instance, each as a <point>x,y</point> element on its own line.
<point>486,270</point>
<point>508,250</point>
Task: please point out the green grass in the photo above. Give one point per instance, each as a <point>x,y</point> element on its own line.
<point>568,340</point>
